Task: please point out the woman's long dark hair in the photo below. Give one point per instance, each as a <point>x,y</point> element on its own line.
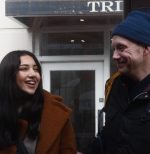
<point>10,94</point>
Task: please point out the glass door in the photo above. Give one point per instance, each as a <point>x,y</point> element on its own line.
<point>81,86</point>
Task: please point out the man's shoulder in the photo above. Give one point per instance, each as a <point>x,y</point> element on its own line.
<point>110,82</point>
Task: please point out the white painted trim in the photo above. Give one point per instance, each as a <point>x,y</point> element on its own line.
<point>82,58</point>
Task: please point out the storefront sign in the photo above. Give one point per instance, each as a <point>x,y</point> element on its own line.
<point>105,6</point>
<point>27,8</point>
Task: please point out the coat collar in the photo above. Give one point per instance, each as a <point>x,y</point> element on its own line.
<point>53,119</point>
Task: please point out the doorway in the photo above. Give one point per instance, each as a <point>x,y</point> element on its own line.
<point>81,86</point>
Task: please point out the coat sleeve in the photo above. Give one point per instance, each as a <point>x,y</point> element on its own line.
<point>68,143</point>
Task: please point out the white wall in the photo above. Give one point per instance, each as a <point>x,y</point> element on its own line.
<point>13,34</point>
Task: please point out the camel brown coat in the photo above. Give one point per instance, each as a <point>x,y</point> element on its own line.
<point>56,132</point>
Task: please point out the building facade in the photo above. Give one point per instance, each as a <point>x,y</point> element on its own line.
<point>71,39</point>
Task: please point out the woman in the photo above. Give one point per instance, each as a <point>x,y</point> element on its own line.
<point>31,120</point>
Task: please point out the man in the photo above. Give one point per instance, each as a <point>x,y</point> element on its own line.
<point>127,108</point>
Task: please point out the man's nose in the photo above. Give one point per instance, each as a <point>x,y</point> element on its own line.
<point>116,55</point>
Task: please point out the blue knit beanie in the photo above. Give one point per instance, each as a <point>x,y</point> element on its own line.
<point>136,27</point>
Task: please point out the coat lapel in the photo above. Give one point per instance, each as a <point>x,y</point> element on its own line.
<point>53,119</point>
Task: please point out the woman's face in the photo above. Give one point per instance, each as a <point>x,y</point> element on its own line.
<point>28,76</point>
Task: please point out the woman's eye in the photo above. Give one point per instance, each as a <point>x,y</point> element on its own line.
<point>23,68</point>
<point>36,69</point>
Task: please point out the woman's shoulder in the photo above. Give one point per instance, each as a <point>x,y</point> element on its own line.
<point>55,101</point>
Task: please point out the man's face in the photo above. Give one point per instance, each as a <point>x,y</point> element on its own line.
<point>129,56</point>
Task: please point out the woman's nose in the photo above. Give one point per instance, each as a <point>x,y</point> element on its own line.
<point>31,72</point>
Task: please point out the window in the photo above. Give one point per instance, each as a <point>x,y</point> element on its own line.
<point>79,43</point>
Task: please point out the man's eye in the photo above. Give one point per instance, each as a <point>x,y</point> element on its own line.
<point>121,48</point>
<point>113,48</point>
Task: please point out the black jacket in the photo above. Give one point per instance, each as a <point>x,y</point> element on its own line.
<point>127,122</point>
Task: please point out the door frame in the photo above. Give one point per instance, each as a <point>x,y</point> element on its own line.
<point>99,79</point>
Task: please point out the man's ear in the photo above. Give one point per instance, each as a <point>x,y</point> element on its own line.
<point>147,51</point>
<point>148,48</point>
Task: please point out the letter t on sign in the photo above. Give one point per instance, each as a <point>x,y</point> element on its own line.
<point>93,4</point>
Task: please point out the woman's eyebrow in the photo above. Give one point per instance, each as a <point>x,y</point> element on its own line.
<point>23,64</point>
